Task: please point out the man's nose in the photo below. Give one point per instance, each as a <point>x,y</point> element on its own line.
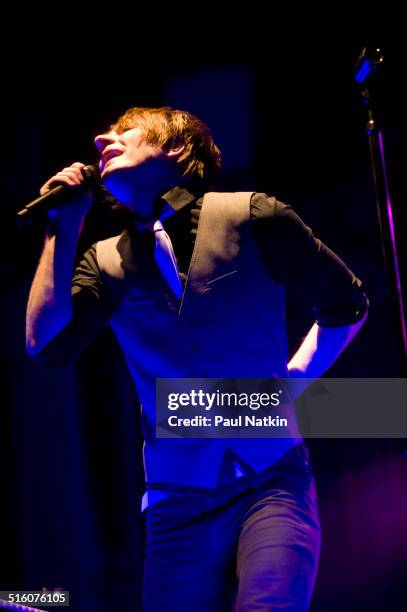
<point>103,140</point>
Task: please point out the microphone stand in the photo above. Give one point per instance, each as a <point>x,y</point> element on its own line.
<point>368,63</point>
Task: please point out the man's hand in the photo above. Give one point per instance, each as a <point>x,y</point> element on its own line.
<point>318,352</point>
<point>77,206</point>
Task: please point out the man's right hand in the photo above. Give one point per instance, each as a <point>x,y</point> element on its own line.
<point>77,206</point>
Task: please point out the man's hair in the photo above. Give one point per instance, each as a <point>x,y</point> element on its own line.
<point>169,128</point>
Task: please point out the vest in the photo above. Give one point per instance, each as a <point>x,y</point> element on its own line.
<point>230,323</point>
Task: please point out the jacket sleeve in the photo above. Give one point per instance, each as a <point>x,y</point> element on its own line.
<point>291,253</point>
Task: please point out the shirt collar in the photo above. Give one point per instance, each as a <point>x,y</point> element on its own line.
<point>175,199</point>
<point>167,205</point>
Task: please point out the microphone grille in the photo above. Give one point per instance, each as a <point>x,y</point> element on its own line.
<point>91,173</point>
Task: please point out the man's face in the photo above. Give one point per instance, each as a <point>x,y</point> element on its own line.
<point>131,168</point>
<point>125,150</point>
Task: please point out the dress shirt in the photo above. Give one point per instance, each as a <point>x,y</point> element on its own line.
<point>287,247</point>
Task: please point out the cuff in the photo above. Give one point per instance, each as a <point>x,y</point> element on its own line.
<point>342,315</point>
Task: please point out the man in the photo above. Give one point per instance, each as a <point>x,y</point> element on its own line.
<point>231,523</point>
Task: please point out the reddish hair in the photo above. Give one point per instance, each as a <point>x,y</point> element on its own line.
<point>169,128</point>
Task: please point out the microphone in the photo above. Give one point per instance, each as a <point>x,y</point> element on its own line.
<point>58,195</point>
<point>368,63</point>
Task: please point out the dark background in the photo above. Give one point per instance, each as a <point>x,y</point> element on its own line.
<point>289,120</point>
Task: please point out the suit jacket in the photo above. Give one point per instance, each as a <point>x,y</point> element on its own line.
<point>217,331</point>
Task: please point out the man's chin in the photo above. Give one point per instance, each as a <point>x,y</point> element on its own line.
<point>110,170</point>
<point>116,180</point>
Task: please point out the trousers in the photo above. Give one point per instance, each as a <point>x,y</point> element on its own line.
<point>252,546</point>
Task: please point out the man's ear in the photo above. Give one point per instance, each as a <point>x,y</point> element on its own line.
<point>174,152</point>
<point>174,148</point>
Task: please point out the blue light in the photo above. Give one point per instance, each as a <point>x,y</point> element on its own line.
<point>365,69</point>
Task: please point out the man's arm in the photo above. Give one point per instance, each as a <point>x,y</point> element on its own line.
<point>291,253</point>
<point>49,307</point>
<point>319,351</point>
